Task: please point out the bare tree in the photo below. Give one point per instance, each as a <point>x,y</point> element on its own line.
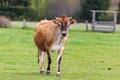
<point>64,7</point>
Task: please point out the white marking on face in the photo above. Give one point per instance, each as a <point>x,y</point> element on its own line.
<point>68,23</point>
<point>64,32</point>
<point>59,24</point>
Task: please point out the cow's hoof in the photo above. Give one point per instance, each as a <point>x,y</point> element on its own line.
<point>41,72</point>
<point>58,75</point>
<point>47,73</point>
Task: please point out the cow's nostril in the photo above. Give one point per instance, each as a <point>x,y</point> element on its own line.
<point>64,34</point>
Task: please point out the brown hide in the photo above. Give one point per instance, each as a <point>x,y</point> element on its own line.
<point>45,35</point>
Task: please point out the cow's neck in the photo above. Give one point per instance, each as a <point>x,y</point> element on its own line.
<point>58,40</point>
<point>59,37</point>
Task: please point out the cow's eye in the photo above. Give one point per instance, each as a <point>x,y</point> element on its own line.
<point>59,24</point>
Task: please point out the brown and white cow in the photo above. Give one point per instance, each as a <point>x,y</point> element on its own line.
<point>52,35</point>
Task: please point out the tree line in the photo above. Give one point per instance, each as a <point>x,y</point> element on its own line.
<point>40,9</point>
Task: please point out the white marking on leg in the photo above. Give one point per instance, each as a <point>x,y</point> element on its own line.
<point>59,56</point>
<point>41,58</point>
<point>58,73</point>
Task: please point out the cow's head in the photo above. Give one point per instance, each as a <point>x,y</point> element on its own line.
<point>64,22</point>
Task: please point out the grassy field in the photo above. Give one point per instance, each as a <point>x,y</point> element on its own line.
<point>87,56</point>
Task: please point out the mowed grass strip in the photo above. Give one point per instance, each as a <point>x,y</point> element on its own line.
<point>87,55</point>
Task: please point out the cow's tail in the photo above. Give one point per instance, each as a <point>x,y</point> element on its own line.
<point>38,58</point>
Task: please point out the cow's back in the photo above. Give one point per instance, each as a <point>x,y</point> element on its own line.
<point>44,34</point>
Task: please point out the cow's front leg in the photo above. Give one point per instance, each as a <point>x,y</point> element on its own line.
<point>41,58</point>
<point>59,61</point>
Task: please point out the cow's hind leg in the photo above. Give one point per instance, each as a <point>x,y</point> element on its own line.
<point>49,62</point>
<point>41,60</point>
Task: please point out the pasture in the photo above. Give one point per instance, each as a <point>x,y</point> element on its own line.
<point>87,56</point>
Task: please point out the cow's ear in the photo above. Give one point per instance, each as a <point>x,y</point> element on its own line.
<point>55,21</point>
<point>72,21</point>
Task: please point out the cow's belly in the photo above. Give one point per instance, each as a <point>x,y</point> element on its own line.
<point>56,47</point>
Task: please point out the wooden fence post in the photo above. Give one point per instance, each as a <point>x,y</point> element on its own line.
<point>86,25</point>
<point>115,20</point>
<point>24,23</point>
<point>93,20</point>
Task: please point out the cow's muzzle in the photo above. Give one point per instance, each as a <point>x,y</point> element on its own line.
<point>64,33</point>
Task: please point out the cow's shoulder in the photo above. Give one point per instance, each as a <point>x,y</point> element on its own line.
<point>43,24</point>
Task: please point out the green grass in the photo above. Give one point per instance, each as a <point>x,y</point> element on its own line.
<point>87,56</point>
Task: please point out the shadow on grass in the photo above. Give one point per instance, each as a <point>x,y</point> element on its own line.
<point>25,73</point>
<point>27,76</point>
<point>32,74</point>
